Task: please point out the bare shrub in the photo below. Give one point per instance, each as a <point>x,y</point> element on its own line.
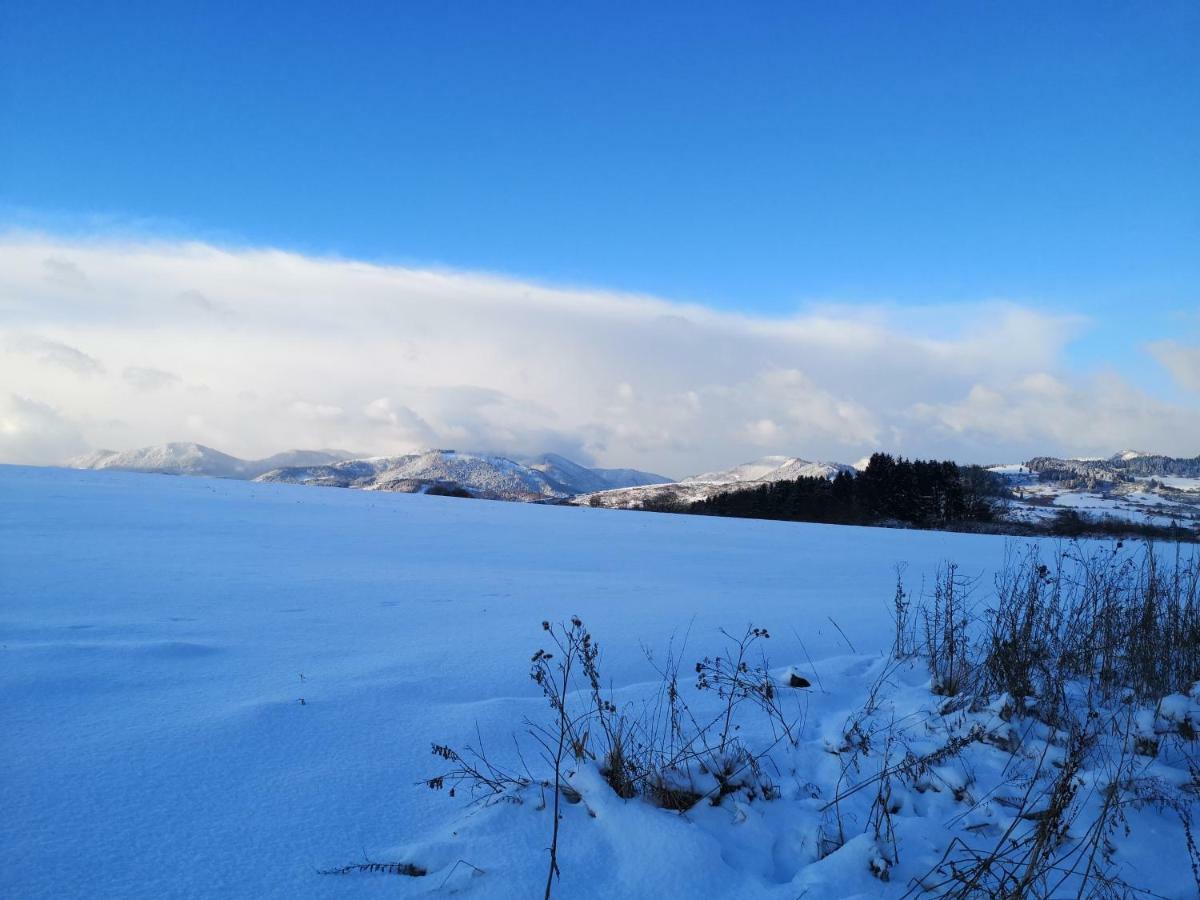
<point>904,640</point>
<point>1064,671</point>
<point>661,752</point>
<point>947,633</point>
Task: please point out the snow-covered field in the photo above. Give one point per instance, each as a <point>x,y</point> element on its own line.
<point>158,636</point>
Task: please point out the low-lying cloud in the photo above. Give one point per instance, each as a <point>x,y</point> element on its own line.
<point>119,344</point>
<point>1181,360</point>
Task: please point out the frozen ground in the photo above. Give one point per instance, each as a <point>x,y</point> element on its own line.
<point>157,635</point>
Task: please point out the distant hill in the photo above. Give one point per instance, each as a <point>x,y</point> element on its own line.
<point>1130,485</point>
<point>549,476</point>
<point>1123,466</point>
<point>577,479</point>
<point>494,477</point>
<point>196,459</point>
<point>764,470</point>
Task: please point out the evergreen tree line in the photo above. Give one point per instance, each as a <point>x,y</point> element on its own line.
<point>918,493</point>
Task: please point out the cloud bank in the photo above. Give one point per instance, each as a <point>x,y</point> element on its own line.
<point>118,344</point>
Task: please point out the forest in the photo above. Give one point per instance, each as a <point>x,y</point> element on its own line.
<point>917,493</point>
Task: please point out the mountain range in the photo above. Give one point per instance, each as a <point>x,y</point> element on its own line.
<point>546,477</point>
<point>195,459</point>
<point>1138,486</point>
<point>764,470</point>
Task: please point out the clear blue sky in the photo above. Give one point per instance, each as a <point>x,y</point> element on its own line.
<point>746,155</point>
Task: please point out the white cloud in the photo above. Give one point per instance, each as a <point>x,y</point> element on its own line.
<point>763,432</point>
<point>1182,361</point>
<point>34,433</point>
<point>54,353</point>
<point>300,351</point>
<point>63,272</point>
<point>320,411</point>
<point>147,378</point>
<point>1096,415</point>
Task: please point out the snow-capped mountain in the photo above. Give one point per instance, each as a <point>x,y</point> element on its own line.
<point>183,458</point>
<point>176,458</point>
<point>751,474</point>
<point>577,479</point>
<point>1127,455</point>
<point>630,477</point>
<point>494,477</point>
<point>772,468</point>
<point>301,458</point>
<point>750,471</point>
<point>549,476</point>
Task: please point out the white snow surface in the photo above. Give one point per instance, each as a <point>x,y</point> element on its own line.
<point>157,637</point>
<point>1181,484</point>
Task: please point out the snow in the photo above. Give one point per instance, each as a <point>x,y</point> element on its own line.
<point>1133,501</point>
<point>1181,484</point>
<point>157,637</point>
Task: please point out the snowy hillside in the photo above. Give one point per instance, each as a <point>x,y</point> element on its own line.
<point>174,458</point>
<point>1130,485</point>
<point>618,478</point>
<point>196,459</point>
<point>495,477</point>
<point>700,487</point>
<point>218,688</point>
<point>771,468</point>
<point>483,475</point>
<point>492,477</point>
<point>576,479</point>
<point>1121,466</point>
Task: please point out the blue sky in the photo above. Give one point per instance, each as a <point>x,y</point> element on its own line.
<point>758,158</point>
